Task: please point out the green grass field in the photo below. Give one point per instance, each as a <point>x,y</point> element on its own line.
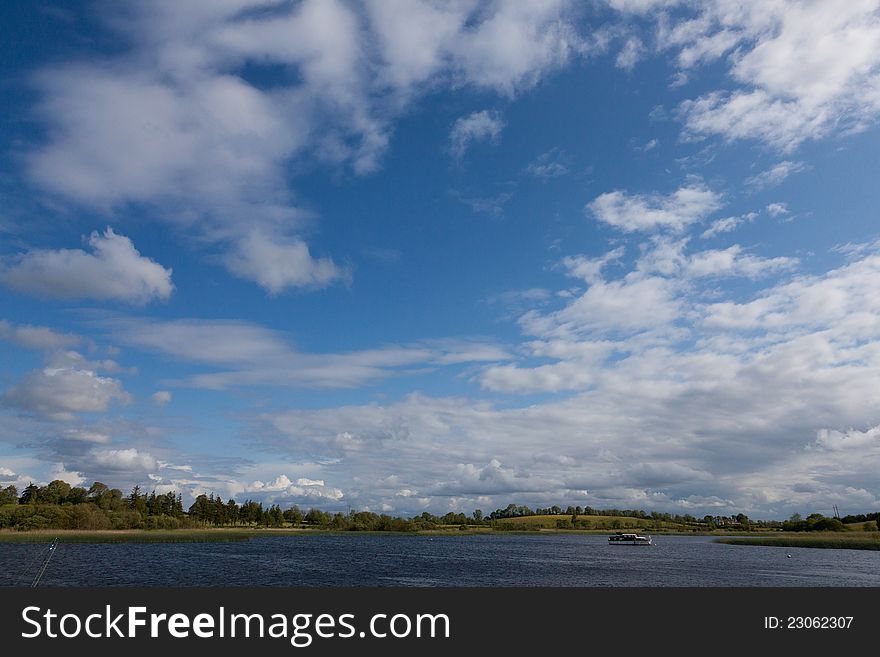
<point>603,523</point>
<point>828,540</point>
<point>868,526</point>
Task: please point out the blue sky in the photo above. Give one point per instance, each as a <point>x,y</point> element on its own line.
<point>415,255</point>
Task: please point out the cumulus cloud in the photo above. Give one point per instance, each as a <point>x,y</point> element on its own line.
<point>478,126</point>
<point>668,257</point>
<point>649,212</point>
<point>60,393</point>
<point>802,70</point>
<point>279,264</point>
<point>777,209</point>
<point>630,304</point>
<point>590,269</point>
<point>128,460</point>
<point>630,54</point>
<point>72,477</point>
<point>161,397</point>
<point>797,365</point>
<point>36,337</point>
<point>841,302</point>
<point>303,489</point>
<point>177,118</point>
<point>114,270</point>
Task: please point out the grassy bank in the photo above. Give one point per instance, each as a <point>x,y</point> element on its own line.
<point>143,535</point>
<point>827,540</point>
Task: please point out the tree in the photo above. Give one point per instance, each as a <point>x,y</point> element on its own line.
<point>9,495</point>
<point>317,517</point>
<point>77,495</point>
<point>478,515</point>
<point>200,508</point>
<point>137,501</point>
<point>293,515</point>
<point>55,492</point>
<point>99,494</point>
<point>29,494</point>
<point>232,511</point>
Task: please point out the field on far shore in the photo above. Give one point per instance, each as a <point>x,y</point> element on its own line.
<point>603,523</point>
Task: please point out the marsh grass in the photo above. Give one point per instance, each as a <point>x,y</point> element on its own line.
<point>221,535</point>
<point>834,541</point>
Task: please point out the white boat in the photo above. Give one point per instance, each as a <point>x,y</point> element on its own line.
<point>621,538</point>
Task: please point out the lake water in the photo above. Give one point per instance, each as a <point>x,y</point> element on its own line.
<point>395,560</point>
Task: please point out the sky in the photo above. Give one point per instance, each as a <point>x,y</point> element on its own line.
<point>413,255</point>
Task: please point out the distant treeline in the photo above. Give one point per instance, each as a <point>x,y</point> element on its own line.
<point>816,522</point>
<point>58,505</point>
<point>862,517</point>
<point>739,520</point>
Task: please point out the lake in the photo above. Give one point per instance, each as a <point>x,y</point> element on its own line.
<point>469,560</point>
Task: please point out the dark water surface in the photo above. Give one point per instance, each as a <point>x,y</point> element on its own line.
<point>396,560</point>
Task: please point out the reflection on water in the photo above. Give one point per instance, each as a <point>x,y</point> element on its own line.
<point>395,560</point>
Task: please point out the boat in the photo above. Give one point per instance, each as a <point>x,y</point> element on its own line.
<point>621,538</point>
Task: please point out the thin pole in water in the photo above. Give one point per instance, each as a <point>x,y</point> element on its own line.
<point>39,576</point>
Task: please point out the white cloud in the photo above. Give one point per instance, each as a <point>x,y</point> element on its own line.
<point>304,489</point>
<point>59,393</point>
<point>633,303</point>
<point>630,54</point>
<point>36,337</point>
<point>554,377</point>
<point>478,126</point>
<point>161,397</point>
<point>852,439</point>
<point>177,119</point>
<point>115,270</point>
<point>548,165</point>
<point>241,353</point>
<point>72,477</point>
<point>87,436</point>
<point>777,209</point>
<point>727,224</point>
<point>775,174</point>
<point>490,205</point>
<point>590,269</point>
<point>806,70</point>
<point>276,264</point>
<point>128,460</point>
<point>658,419</point>
<point>654,296</point>
<point>667,257</point>
<point>643,212</point>
<point>843,301</point>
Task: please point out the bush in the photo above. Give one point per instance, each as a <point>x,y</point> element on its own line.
<point>162,522</point>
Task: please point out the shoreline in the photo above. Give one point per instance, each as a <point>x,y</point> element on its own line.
<point>227,534</point>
